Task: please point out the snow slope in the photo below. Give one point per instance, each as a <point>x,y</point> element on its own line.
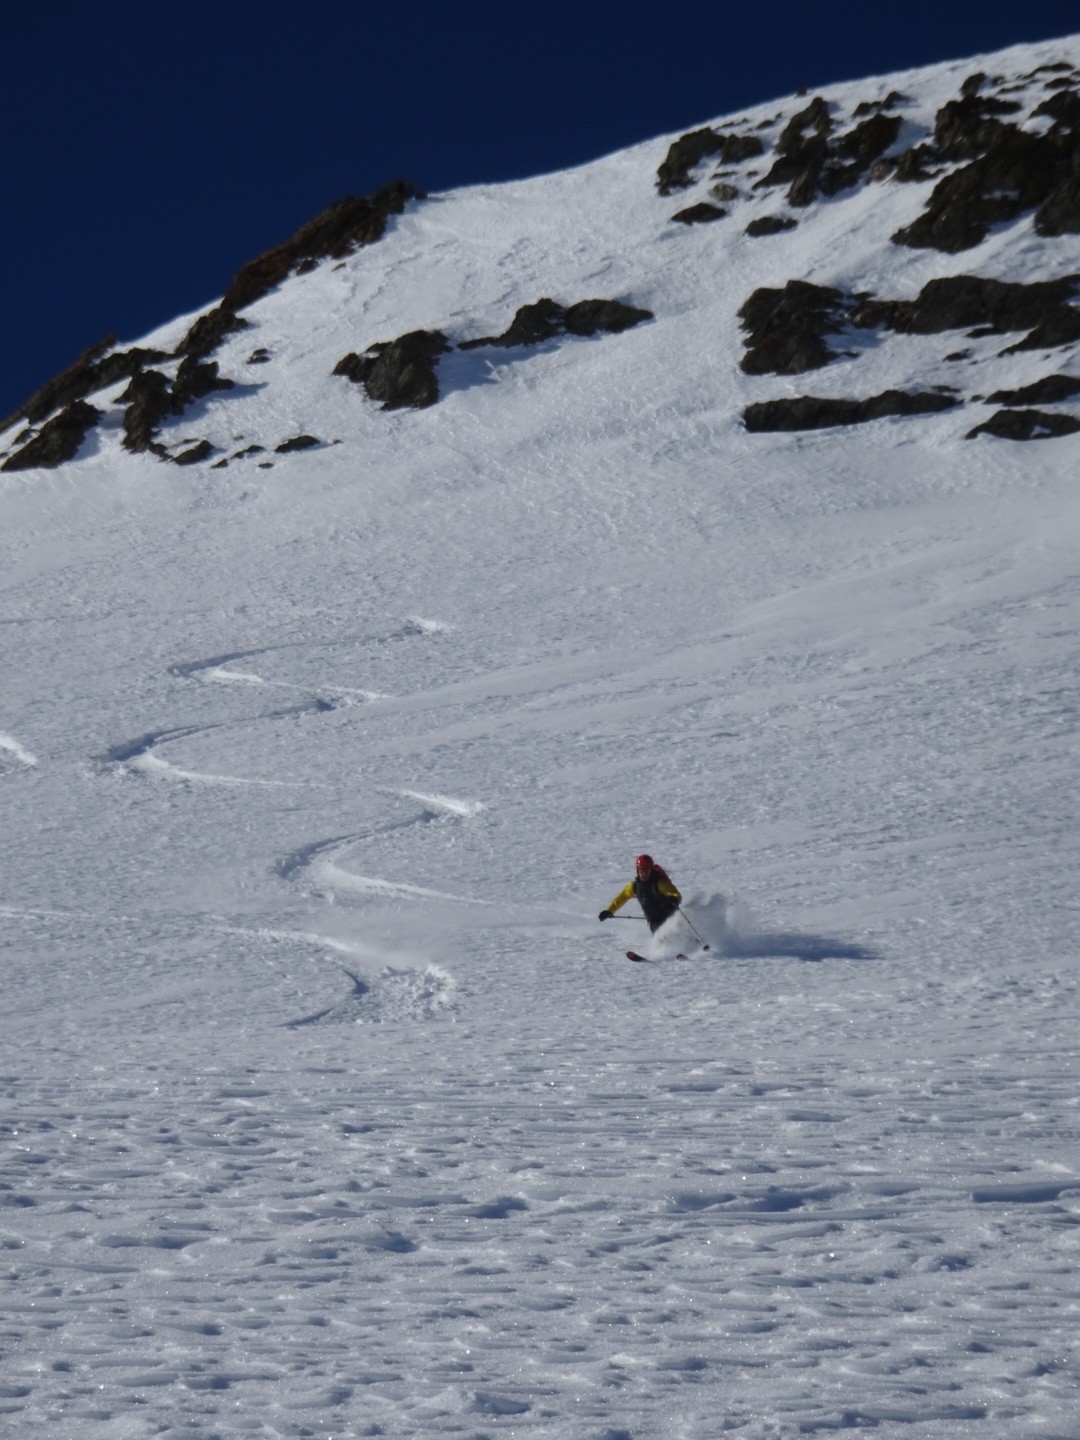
<point>329,1108</point>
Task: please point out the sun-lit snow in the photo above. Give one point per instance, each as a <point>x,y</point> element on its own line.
<point>330,1108</point>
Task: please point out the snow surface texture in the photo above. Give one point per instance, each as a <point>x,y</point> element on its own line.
<point>330,1110</point>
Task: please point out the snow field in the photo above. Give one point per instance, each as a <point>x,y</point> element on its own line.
<point>328,1107</point>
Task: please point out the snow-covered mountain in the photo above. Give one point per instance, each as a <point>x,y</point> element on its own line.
<point>717,499</point>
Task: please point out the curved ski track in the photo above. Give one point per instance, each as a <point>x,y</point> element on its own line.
<point>394,992</point>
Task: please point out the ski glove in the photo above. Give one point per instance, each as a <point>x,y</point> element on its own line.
<point>605,914</point>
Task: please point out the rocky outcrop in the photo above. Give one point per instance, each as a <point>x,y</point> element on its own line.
<point>811,162</point>
<point>1059,213</point>
<point>812,412</point>
<point>59,440</point>
<point>965,128</point>
<point>297,442</point>
<point>771,225</point>
<point>1016,172</point>
<point>208,331</point>
<point>95,368</point>
<point>400,373</point>
<point>1026,425</point>
<point>700,214</point>
<point>1048,391</point>
<point>973,302</point>
<point>151,399</point>
<point>546,319</point>
<point>1004,171</point>
<point>201,450</point>
<point>334,233</point>
<point>1059,326</point>
<point>686,153</point>
<point>786,328</point>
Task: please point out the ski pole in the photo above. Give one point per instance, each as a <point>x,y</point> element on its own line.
<point>689,922</point>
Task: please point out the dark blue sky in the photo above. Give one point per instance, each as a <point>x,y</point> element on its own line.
<point>149,150</point>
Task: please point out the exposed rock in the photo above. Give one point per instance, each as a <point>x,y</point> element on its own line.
<point>200,451</point>
<point>1059,326</point>
<point>334,233</point>
<point>809,163</point>
<point>59,440</point>
<point>297,442</point>
<point>608,317</point>
<point>122,364</point>
<point>149,398</point>
<point>1047,391</point>
<point>961,301</point>
<point>93,370</point>
<point>403,372</point>
<point>810,412</point>
<point>740,148</point>
<point>1017,172</point>
<point>1059,214</point>
<point>786,328</point>
<point>891,102</point>
<point>683,155</point>
<point>531,325</point>
<point>801,153</point>
<point>855,152</point>
<point>546,319</point>
<point>208,331</point>
<point>815,117</point>
<point>357,220</point>
<point>1005,171</point>
<point>700,214</point>
<point>909,167</point>
<point>724,191</point>
<point>1063,109</point>
<point>71,384</point>
<point>966,128</point>
<point>194,380</point>
<point>771,225</point>
<point>261,356</point>
<point>690,150</point>
<point>399,374</point>
<point>1026,425</point>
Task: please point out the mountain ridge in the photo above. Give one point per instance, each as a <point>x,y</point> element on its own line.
<point>977,156</point>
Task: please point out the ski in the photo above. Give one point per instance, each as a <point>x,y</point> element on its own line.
<point>643,959</point>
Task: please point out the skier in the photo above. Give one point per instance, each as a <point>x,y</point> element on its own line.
<point>654,890</point>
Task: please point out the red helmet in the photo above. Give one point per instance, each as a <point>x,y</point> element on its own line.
<point>644,864</point>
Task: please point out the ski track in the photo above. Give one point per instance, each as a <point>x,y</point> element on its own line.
<point>318,861</point>
<point>11,746</point>
<point>141,754</point>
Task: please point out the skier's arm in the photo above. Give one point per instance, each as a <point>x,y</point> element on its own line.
<point>621,898</point>
<point>667,888</point>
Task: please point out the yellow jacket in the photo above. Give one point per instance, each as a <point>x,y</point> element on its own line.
<point>663,885</point>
